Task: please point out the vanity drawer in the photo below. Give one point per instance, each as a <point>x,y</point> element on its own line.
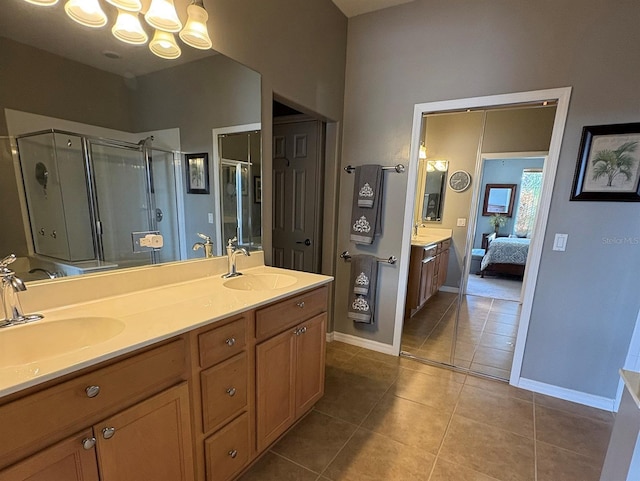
<point>222,342</point>
<point>224,391</point>
<point>275,318</point>
<point>227,451</point>
<point>429,251</point>
<point>38,420</point>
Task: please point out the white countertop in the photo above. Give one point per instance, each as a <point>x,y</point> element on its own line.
<point>430,235</point>
<point>148,316</point>
<point>631,380</point>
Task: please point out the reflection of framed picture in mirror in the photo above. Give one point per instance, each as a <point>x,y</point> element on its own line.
<point>197,173</point>
<point>257,189</point>
<point>499,199</point>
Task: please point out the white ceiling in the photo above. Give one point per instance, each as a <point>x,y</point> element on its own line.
<point>49,28</point>
<point>351,8</point>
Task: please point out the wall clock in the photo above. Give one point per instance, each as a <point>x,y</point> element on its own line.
<point>460,181</point>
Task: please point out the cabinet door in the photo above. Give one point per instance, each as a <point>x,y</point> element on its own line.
<point>310,352</point>
<point>275,387</point>
<point>67,460</point>
<point>426,279</point>
<point>151,440</point>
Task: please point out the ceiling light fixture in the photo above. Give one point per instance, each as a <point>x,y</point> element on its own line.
<point>86,12</point>
<point>164,45</point>
<point>162,15</point>
<point>128,28</point>
<point>43,3</point>
<point>128,5</point>
<point>195,33</point>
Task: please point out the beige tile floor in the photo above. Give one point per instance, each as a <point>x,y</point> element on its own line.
<point>388,418</point>
<point>485,339</point>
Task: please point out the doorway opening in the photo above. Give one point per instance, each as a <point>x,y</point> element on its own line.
<point>477,334</point>
<point>298,178</point>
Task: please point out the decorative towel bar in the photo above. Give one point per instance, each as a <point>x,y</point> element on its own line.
<point>391,260</point>
<point>349,169</point>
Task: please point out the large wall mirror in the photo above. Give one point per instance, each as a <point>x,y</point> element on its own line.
<point>93,138</point>
<point>499,199</point>
<point>435,179</point>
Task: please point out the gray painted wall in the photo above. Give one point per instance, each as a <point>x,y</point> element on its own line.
<point>586,300</point>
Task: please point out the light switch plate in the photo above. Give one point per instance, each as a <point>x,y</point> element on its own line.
<point>560,242</point>
<point>462,221</point>
<point>210,217</point>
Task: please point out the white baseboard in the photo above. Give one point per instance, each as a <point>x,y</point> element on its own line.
<point>330,336</point>
<point>579,397</point>
<point>455,290</point>
<point>360,342</point>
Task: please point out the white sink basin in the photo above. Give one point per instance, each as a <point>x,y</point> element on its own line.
<point>44,339</point>
<point>260,282</point>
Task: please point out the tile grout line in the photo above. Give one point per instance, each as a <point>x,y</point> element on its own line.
<point>357,427</point>
<point>446,431</point>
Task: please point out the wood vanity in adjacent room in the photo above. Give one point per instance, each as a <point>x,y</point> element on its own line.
<point>428,266</point>
<point>201,404</point>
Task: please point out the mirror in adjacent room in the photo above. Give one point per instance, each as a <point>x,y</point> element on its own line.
<point>435,179</point>
<point>93,136</point>
<point>499,199</point>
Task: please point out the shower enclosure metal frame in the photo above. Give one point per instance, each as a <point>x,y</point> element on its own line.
<point>87,142</point>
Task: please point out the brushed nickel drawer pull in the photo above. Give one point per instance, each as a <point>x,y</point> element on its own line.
<point>92,391</point>
<point>230,342</point>
<point>233,453</point>
<point>231,391</point>
<point>88,443</point>
<point>300,304</point>
<point>108,433</point>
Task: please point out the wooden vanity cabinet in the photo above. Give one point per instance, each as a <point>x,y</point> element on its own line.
<point>141,426</point>
<point>222,395</point>
<point>290,363</point>
<point>428,267</point>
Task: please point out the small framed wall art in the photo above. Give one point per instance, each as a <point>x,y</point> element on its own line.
<point>608,164</point>
<point>197,173</point>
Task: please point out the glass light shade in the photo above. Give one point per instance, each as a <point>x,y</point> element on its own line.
<point>195,31</point>
<point>86,12</point>
<point>423,152</point>
<point>43,3</point>
<point>128,5</point>
<point>128,29</point>
<point>430,167</point>
<point>162,16</point>
<point>164,45</point>
<point>441,165</point>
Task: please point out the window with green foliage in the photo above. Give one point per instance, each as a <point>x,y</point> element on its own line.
<point>530,190</point>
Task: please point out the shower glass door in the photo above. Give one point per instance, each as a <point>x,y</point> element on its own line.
<point>123,201</point>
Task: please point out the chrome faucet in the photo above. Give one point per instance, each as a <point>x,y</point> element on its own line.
<point>207,245</point>
<point>232,253</point>
<point>49,274</point>
<point>11,285</point>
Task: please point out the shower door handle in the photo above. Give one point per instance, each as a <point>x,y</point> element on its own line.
<point>99,227</point>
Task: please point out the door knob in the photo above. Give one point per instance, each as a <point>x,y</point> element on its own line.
<point>108,433</point>
<point>92,391</point>
<point>88,443</point>
<point>306,242</point>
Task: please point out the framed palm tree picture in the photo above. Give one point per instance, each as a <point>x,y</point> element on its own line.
<point>608,164</point>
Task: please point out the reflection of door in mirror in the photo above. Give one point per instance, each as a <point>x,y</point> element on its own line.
<point>239,163</point>
<point>435,178</point>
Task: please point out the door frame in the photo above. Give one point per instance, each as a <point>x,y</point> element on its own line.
<point>475,204</point>
<point>231,129</point>
<point>561,96</point>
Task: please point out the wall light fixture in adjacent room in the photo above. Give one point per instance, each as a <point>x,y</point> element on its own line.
<point>423,151</point>
<point>86,12</point>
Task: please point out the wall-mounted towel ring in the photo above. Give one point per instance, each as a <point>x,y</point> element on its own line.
<point>349,169</point>
<point>391,260</point>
